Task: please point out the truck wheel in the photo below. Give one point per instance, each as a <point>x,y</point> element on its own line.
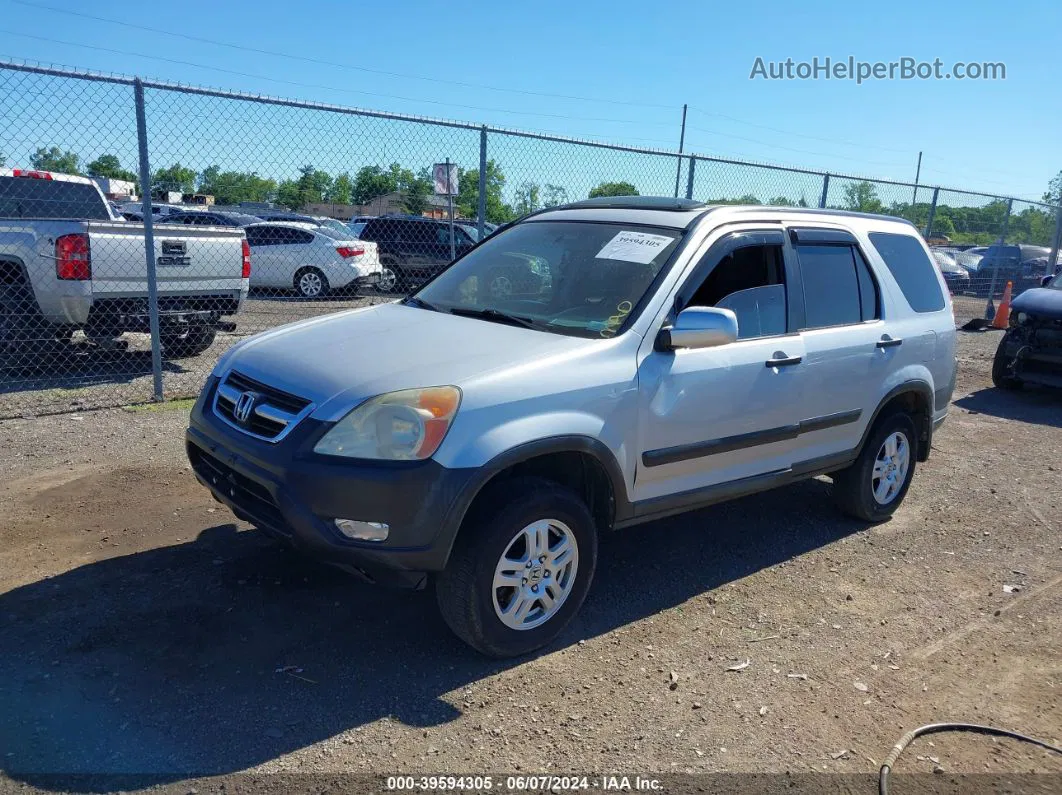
<point>311,283</point>
<point>191,342</point>
<point>1001,370</point>
<point>873,487</point>
<point>520,569</point>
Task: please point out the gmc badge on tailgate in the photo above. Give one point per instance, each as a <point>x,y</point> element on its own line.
<point>174,253</point>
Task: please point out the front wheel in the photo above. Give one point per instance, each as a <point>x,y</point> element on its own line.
<point>1002,375</point>
<point>520,569</point>
<point>873,487</point>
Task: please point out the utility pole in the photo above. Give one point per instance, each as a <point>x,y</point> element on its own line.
<point>682,142</point>
<point>918,173</point>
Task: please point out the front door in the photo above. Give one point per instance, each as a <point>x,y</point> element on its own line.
<point>715,415</point>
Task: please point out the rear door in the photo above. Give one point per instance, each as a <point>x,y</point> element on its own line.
<point>847,352</point>
<point>265,258</point>
<point>714,415</point>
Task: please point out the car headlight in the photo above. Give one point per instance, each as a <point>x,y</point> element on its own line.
<point>408,425</point>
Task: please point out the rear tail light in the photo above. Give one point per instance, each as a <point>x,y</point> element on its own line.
<point>348,251</point>
<point>21,172</point>
<point>72,261</point>
<point>246,274</point>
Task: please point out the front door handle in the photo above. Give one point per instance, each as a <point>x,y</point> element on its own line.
<point>784,362</point>
<point>889,342</point>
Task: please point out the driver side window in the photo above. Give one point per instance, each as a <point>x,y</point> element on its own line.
<point>749,281</point>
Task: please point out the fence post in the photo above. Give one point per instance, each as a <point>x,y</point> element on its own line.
<point>1052,261</point>
<point>825,190</point>
<point>689,177</point>
<point>932,213</point>
<point>149,238</point>
<point>990,307</point>
<point>482,210</point>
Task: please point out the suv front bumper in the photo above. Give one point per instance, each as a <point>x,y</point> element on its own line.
<point>292,494</point>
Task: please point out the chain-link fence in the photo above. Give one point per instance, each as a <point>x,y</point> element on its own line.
<point>261,211</point>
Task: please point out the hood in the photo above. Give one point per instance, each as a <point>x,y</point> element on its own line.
<point>1045,302</point>
<point>339,360</point>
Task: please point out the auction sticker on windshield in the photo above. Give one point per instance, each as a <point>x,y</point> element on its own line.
<point>634,247</point>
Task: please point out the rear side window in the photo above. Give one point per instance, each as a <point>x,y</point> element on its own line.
<point>838,287</point>
<point>25,197</point>
<point>908,263</point>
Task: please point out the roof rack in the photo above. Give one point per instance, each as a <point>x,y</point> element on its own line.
<point>637,203</point>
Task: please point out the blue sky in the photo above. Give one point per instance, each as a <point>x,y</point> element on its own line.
<point>628,66</point>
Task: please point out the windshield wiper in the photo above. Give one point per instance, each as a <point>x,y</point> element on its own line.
<point>495,316</point>
<point>412,300</point>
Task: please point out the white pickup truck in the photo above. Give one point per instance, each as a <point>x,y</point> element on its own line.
<point>68,263</point>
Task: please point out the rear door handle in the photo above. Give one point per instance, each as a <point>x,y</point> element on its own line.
<point>786,362</point>
<point>889,343</point>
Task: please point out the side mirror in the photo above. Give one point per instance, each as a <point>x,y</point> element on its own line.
<point>699,327</point>
<point>1046,280</point>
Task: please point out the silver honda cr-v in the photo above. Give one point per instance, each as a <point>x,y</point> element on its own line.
<point>590,367</point>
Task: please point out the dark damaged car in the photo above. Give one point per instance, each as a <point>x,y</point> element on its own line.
<point>1031,350</point>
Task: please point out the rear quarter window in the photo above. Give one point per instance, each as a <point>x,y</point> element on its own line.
<point>909,264</point>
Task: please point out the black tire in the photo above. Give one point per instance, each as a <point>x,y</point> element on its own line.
<point>189,343</point>
<point>1000,370</point>
<point>853,487</point>
<point>464,590</point>
<point>389,283</point>
<point>302,287</point>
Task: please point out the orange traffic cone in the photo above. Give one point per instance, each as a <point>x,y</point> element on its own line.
<point>1002,318</point>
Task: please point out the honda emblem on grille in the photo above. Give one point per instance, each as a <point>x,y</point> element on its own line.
<point>244,406</point>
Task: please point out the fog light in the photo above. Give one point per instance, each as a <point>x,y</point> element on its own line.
<point>362,531</point>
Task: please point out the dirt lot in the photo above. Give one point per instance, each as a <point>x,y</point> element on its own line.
<point>144,631</point>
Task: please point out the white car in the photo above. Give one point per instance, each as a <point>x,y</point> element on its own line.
<point>309,259</point>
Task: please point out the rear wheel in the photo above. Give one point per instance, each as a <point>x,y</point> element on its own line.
<point>388,275</point>
<point>520,569</point>
<point>311,283</point>
<point>1002,375</point>
<point>191,342</point>
<point>873,487</point>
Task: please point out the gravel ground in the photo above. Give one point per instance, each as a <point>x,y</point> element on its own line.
<point>145,631</point>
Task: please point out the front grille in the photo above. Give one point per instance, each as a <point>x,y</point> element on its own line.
<point>274,412</point>
<point>250,497</point>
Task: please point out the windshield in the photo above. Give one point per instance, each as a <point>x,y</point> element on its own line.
<point>472,231</point>
<point>335,234</point>
<point>25,197</point>
<point>1056,283</point>
<point>356,228</point>
<point>575,278</point>
<point>335,226</point>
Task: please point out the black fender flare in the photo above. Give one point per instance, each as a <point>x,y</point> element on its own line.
<point>573,443</point>
<point>919,387</point>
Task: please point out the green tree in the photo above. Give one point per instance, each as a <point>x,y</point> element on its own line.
<point>54,159</point>
<point>370,182</point>
<point>748,198</point>
<point>233,187</point>
<point>1054,190</point>
<point>782,201</point>
<point>613,189</point>
<point>498,212</point>
<point>415,191</point>
<point>341,189</point>
<point>310,187</point>
<point>527,198</point>
<point>3,160</point>
<point>862,197</point>
<point>175,178</point>
<point>108,166</point>
<point>554,195</point>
